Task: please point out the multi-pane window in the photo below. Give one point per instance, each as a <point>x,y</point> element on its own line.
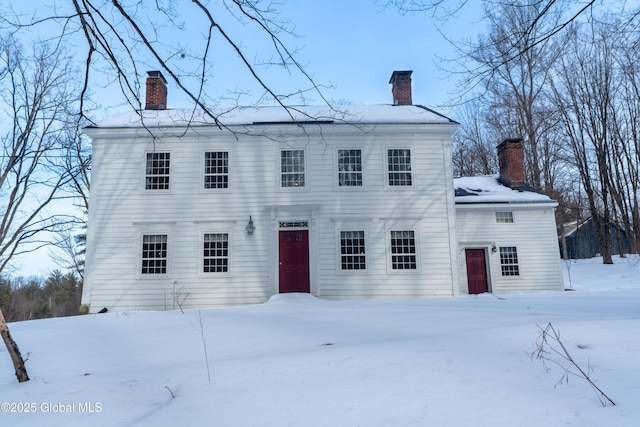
<point>154,254</point>
<point>504,217</point>
<point>157,171</point>
<point>403,250</point>
<point>292,168</point>
<point>350,168</point>
<point>216,253</point>
<point>399,166</point>
<point>509,261</point>
<point>352,252</point>
<point>216,169</point>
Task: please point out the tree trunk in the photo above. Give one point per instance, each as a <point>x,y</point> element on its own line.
<point>563,238</point>
<point>14,351</point>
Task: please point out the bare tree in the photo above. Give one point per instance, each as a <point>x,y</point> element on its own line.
<point>14,351</point>
<point>70,250</point>
<point>624,154</point>
<point>122,37</point>
<point>584,92</point>
<point>514,97</point>
<point>36,97</point>
<point>70,244</point>
<point>474,143</point>
<point>77,163</point>
<point>437,8</point>
<point>564,13</point>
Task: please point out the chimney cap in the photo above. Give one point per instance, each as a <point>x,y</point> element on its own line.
<point>157,74</point>
<point>513,140</point>
<point>397,74</point>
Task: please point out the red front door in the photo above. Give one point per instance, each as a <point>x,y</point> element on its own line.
<point>294,261</point>
<point>476,271</point>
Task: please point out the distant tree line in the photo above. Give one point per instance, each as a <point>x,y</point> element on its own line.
<point>38,298</point>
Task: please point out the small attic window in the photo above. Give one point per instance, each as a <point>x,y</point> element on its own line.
<point>504,217</point>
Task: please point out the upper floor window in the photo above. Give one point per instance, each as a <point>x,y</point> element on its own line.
<point>216,253</point>
<point>399,167</point>
<point>292,168</point>
<point>157,171</point>
<point>509,261</point>
<point>352,250</point>
<point>403,250</point>
<point>154,254</point>
<point>504,217</point>
<point>350,168</point>
<point>216,169</point>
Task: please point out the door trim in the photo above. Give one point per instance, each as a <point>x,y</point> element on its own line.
<point>305,286</point>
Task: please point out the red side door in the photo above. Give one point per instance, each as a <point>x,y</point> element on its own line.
<point>476,271</point>
<point>294,261</point>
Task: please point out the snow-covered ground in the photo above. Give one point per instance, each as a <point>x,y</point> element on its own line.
<point>301,361</point>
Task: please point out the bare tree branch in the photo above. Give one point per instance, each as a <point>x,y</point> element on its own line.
<point>122,37</point>
<point>37,98</point>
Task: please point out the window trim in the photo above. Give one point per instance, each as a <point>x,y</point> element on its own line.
<point>203,169</point>
<point>367,246</point>
<point>304,172</point>
<point>416,241</point>
<point>210,274</point>
<point>517,264</point>
<point>412,153</point>
<point>337,170</point>
<point>140,258</point>
<point>145,176</point>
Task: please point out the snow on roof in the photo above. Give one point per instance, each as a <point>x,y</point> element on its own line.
<point>571,227</point>
<point>360,114</point>
<point>487,189</point>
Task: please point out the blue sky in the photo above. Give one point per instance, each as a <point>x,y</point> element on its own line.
<point>356,45</point>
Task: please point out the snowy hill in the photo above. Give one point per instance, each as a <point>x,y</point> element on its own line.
<point>301,361</point>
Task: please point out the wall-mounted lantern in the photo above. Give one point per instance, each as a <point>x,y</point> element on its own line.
<point>250,228</point>
<point>494,249</point>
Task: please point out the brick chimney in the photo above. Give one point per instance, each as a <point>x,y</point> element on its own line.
<point>401,89</point>
<point>156,91</point>
<point>511,162</point>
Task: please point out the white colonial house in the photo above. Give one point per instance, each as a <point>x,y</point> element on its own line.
<point>356,203</point>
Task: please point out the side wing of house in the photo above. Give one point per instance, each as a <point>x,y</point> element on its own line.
<point>206,217</point>
<point>505,247</point>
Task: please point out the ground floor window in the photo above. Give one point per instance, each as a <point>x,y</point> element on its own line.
<point>216,253</point>
<point>509,261</point>
<point>154,254</point>
<point>403,250</point>
<point>352,250</point>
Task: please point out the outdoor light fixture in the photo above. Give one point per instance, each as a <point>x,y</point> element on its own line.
<point>250,228</point>
<point>493,248</point>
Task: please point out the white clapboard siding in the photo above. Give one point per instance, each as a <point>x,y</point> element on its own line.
<point>122,211</point>
<point>533,233</point>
